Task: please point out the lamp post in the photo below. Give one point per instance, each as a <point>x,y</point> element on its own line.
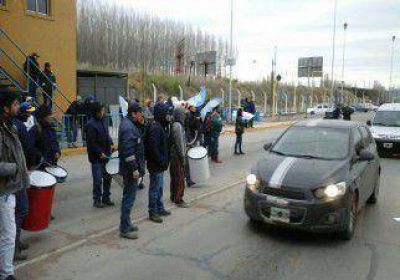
<point>231,64</point>
<point>345,26</point>
<point>391,68</point>
<point>333,48</point>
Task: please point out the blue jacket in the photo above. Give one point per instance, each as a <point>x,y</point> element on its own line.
<point>43,143</point>
<point>157,152</point>
<point>98,140</point>
<point>130,147</point>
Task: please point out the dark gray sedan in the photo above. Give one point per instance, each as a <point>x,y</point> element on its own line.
<point>315,177</point>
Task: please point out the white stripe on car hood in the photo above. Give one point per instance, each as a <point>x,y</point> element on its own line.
<point>280,172</point>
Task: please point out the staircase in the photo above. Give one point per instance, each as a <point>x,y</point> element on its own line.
<point>15,64</point>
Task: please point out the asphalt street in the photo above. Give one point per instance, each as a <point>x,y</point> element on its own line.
<point>213,239</point>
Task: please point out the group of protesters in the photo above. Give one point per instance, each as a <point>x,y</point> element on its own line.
<point>28,139</point>
<point>153,136</point>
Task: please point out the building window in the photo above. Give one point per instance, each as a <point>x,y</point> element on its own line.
<point>39,6</point>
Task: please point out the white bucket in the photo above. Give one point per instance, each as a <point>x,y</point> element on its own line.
<point>112,166</point>
<point>199,165</point>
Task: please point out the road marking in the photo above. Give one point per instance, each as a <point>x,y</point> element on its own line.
<point>280,172</point>
<point>81,242</point>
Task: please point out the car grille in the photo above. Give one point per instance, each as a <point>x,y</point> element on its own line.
<point>284,193</point>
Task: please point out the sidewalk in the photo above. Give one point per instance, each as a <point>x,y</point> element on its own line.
<point>76,221</point>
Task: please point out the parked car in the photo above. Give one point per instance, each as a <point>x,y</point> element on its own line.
<point>385,128</point>
<point>315,177</point>
<point>319,109</point>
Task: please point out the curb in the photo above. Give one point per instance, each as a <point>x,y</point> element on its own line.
<point>111,229</point>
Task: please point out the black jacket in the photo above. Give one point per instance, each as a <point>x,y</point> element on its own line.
<point>156,145</point>
<point>98,140</point>
<point>43,143</point>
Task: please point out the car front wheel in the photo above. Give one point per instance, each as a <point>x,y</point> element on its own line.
<point>351,220</point>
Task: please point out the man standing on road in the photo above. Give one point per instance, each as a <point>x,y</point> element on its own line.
<point>13,177</point>
<point>99,147</point>
<point>131,154</point>
<point>347,111</point>
<point>216,129</point>
<point>157,156</point>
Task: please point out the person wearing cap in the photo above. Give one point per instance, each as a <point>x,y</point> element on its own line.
<point>13,177</point>
<point>71,121</point>
<point>131,155</point>
<point>21,197</point>
<point>99,148</point>
<point>43,138</point>
<point>26,115</point>
<point>32,68</point>
<point>157,157</point>
<point>47,83</point>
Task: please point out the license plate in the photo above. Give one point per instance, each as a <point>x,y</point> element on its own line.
<point>280,215</point>
<point>388,145</point>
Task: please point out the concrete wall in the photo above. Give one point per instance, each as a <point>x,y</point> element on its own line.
<point>53,37</point>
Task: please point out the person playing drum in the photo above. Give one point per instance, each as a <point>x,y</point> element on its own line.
<point>100,148</point>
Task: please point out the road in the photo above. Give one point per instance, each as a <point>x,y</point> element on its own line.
<point>212,239</point>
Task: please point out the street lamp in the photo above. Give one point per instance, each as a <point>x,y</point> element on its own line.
<point>391,68</point>
<point>345,26</point>
<point>231,64</point>
<point>333,47</point>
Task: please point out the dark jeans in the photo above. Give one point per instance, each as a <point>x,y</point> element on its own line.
<point>238,144</point>
<point>101,182</point>
<point>32,89</point>
<point>71,128</point>
<point>128,199</point>
<point>156,204</point>
<point>214,145</point>
<point>48,98</point>
<point>21,210</point>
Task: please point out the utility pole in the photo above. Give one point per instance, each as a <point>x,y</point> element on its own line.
<point>273,85</point>
<point>345,26</point>
<point>391,69</point>
<point>333,49</point>
<point>230,64</point>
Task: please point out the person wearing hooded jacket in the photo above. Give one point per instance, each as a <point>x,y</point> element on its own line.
<point>178,157</point>
<point>157,157</point>
<point>13,177</point>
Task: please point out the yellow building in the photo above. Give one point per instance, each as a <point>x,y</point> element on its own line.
<point>47,27</point>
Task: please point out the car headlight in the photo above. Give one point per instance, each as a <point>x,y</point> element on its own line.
<point>331,191</point>
<point>252,182</point>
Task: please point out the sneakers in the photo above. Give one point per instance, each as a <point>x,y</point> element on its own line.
<point>132,235</point>
<point>108,203</point>
<point>155,218</point>
<point>217,161</point>
<point>98,204</point>
<point>182,204</point>
<point>164,213</point>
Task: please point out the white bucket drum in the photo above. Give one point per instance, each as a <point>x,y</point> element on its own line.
<point>199,165</point>
<point>112,166</point>
<point>58,172</point>
<point>40,179</point>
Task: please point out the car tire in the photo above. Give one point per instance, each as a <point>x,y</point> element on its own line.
<point>373,199</point>
<point>351,220</point>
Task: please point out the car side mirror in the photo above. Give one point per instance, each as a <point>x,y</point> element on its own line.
<point>267,146</point>
<point>369,123</point>
<point>366,155</point>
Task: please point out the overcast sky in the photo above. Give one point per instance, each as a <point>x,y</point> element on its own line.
<point>298,28</point>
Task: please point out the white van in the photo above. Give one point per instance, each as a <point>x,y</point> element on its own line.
<point>385,128</point>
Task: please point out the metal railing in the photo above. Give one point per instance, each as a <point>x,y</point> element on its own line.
<point>29,64</point>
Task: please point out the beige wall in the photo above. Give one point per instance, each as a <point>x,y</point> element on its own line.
<point>53,37</point>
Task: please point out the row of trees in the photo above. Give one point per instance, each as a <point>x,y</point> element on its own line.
<point>112,35</point>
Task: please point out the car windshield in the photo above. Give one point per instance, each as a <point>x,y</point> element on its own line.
<point>314,142</point>
<point>387,118</point>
